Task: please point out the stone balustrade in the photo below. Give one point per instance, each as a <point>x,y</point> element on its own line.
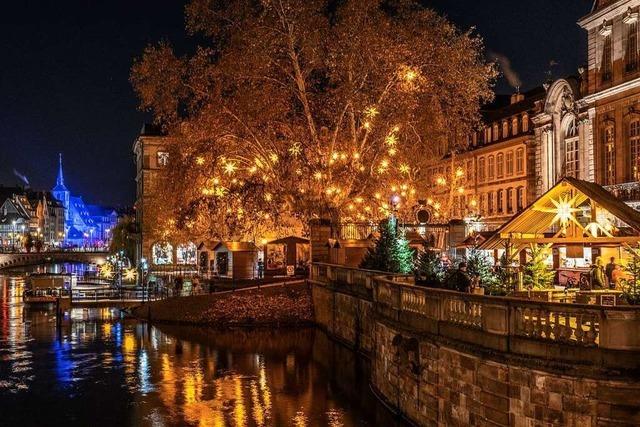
<point>593,334</point>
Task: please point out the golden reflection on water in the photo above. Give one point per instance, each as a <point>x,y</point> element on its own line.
<point>209,379</point>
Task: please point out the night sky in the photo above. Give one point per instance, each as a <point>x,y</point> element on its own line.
<point>65,66</point>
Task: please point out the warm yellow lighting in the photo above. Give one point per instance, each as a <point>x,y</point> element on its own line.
<point>371,112</point>
<point>268,197</point>
<point>367,125</point>
<point>392,151</point>
<point>273,157</point>
<point>460,190</point>
<point>130,274</point>
<point>356,155</point>
<point>441,181</point>
<point>200,160</point>
<point>317,176</point>
<point>459,173</point>
<point>295,149</point>
<point>404,168</point>
<point>230,168</point>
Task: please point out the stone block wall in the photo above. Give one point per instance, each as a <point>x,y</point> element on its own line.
<point>434,383</point>
<point>440,386</point>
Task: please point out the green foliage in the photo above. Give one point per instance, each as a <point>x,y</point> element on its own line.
<point>391,251</point>
<point>480,265</point>
<point>123,237</point>
<point>503,282</point>
<point>536,273</point>
<point>631,284</point>
<point>429,268</point>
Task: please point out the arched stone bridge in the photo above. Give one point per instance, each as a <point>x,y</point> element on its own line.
<point>10,260</point>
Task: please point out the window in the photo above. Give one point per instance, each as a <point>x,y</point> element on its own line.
<point>505,129</point>
<point>481,171</point>
<point>634,145</point>
<point>609,156</point>
<point>483,203</point>
<point>487,134</point>
<point>519,161</point>
<point>490,203</point>
<point>492,168</point>
<point>500,161</point>
<point>514,126</point>
<point>631,55</point>
<point>525,123</point>
<point>186,253</point>
<point>496,130</point>
<point>520,201</point>
<point>510,200</point>
<point>509,163</point>
<point>571,151</point>
<point>500,202</point>
<point>162,253</point>
<point>605,67</point>
<point>163,158</point>
<point>469,170</point>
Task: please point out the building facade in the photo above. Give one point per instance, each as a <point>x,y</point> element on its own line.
<point>84,225</point>
<point>151,151</point>
<point>585,126</point>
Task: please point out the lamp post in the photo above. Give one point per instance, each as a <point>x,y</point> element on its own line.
<point>13,236</point>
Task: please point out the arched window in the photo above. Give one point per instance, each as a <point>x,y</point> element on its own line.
<point>496,132</point>
<point>514,126</point>
<point>492,168</point>
<point>609,155</point>
<point>509,162</point>
<point>500,165</point>
<point>520,161</point>
<point>481,170</point>
<point>505,129</point>
<point>520,199</point>
<point>525,123</point>
<point>571,150</point>
<point>186,253</point>
<point>510,200</point>
<point>490,203</point>
<point>634,145</point>
<point>483,204</point>
<point>500,202</point>
<point>162,253</point>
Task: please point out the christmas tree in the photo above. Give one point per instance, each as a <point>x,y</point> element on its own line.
<point>429,268</point>
<point>631,284</point>
<point>391,251</point>
<point>536,273</point>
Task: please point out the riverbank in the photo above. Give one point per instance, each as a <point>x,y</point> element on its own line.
<point>286,304</point>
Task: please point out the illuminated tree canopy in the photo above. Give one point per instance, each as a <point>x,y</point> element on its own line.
<point>289,110</point>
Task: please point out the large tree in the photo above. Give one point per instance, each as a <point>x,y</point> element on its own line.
<point>294,109</point>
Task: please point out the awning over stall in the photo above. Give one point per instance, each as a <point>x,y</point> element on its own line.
<point>572,212</point>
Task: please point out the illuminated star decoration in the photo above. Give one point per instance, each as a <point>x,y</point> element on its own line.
<point>564,210</point>
<point>130,274</point>
<point>295,149</point>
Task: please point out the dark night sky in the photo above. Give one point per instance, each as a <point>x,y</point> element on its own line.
<point>65,65</point>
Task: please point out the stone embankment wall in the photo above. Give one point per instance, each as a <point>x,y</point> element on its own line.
<point>434,381</point>
<point>274,304</point>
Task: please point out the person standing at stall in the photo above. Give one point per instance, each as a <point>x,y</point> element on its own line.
<point>598,278</point>
<point>608,271</point>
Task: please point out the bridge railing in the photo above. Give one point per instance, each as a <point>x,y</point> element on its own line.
<point>577,332</point>
<point>80,295</point>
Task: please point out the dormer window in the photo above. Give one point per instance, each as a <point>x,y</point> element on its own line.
<point>505,129</point>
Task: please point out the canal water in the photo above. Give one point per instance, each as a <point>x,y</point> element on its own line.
<point>101,368</point>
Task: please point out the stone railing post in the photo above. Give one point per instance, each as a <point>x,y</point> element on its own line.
<point>620,330</point>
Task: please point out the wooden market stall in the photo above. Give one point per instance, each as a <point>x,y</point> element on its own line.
<point>283,256</point>
<point>236,260</point>
<point>579,223</point>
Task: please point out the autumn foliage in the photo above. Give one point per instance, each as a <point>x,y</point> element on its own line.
<point>286,110</point>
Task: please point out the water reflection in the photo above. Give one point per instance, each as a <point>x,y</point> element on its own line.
<point>101,368</point>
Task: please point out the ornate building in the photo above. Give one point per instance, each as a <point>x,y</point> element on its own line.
<point>612,95</point>
<point>586,127</point>
<point>84,225</point>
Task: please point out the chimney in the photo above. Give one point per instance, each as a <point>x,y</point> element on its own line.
<point>517,97</point>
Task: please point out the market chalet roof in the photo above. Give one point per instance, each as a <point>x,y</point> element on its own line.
<point>237,246</point>
<point>610,221</point>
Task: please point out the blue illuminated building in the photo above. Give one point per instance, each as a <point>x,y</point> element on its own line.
<point>85,225</point>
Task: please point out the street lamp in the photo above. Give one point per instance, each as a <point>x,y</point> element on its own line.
<point>13,237</point>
